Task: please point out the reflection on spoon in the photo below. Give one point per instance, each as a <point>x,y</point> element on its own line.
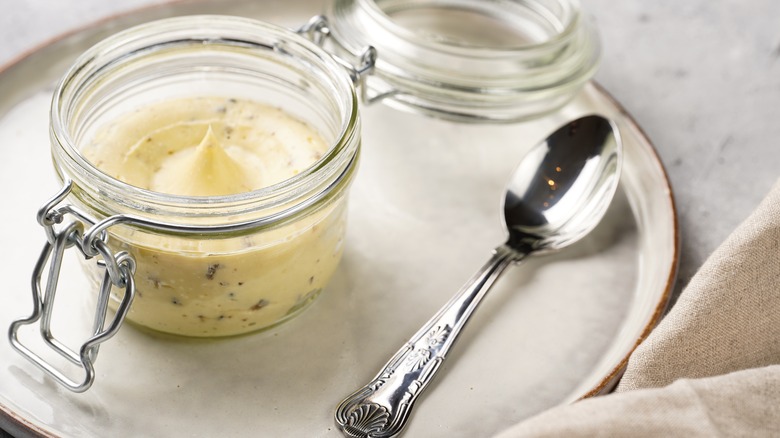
<point>557,195</point>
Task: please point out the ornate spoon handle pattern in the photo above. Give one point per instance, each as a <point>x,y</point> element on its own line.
<point>382,407</point>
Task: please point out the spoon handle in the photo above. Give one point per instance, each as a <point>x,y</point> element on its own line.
<point>382,407</point>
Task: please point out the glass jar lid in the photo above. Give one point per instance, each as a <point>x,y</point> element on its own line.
<point>472,60</point>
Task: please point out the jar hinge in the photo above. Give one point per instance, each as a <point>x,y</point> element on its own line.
<point>318,31</point>
<point>119,271</point>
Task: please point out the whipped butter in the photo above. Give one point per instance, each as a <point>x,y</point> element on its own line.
<point>197,147</point>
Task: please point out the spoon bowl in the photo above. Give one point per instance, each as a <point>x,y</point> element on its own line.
<point>557,194</point>
<point>561,189</point>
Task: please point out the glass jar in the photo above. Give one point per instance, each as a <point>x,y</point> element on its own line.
<point>216,265</point>
<point>200,266</point>
<point>479,61</point>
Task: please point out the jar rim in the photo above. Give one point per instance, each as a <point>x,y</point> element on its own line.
<point>206,29</point>
<point>476,51</point>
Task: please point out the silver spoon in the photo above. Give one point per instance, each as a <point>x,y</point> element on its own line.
<point>558,194</point>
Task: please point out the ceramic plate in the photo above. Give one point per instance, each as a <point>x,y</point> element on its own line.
<point>424,215</point>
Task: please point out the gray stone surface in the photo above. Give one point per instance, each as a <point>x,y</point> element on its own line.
<point>701,77</point>
<point>703,80</point>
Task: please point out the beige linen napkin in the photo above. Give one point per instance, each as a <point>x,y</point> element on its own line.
<point>712,366</point>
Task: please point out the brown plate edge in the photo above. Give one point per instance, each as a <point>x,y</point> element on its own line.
<point>610,381</point>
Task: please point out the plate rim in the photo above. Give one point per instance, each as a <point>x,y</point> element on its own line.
<point>610,381</point>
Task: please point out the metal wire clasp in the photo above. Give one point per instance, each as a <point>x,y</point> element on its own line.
<point>318,31</point>
<point>119,271</point>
